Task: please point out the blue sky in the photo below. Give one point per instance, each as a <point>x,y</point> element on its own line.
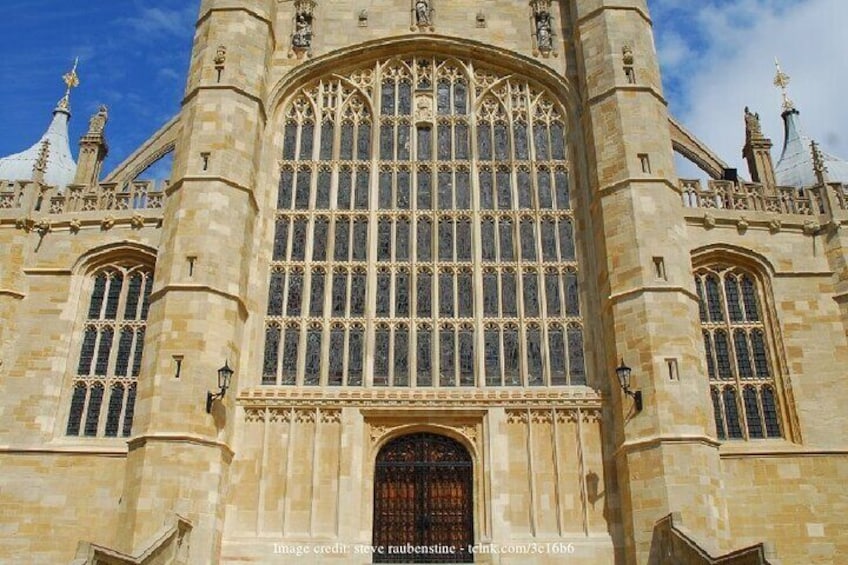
<point>717,57</point>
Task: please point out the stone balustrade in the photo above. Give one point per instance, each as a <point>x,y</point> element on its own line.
<point>33,197</point>
<point>729,195</point>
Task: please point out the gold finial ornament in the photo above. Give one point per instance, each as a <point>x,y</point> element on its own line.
<point>71,81</point>
<point>782,80</point>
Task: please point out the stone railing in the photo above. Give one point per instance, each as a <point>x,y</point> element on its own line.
<point>34,197</point>
<point>672,544</point>
<point>12,194</point>
<point>137,195</point>
<point>728,195</point>
<point>169,547</point>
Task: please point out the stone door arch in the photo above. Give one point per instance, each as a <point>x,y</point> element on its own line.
<point>423,501</point>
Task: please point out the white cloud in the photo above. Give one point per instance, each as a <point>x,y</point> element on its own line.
<point>734,45</point>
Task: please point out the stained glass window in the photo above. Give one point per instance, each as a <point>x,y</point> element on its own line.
<point>102,401</point>
<point>405,290</point>
<point>738,361</point>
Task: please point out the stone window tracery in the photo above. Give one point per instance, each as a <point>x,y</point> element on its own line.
<point>104,386</point>
<point>739,359</point>
<point>405,186</point>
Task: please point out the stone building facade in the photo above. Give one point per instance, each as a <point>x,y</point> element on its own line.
<point>424,235</point>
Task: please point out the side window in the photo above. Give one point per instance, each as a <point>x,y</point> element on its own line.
<point>106,373</point>
<point>739,353</point>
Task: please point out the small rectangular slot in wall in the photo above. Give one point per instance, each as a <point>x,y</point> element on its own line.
<point>178,361</point>
<point>205,159</point>
<point>671,366</point>
<point>645,162</point>
<point>191,261</point>
<point>630,74</point>
<point>659,269</point>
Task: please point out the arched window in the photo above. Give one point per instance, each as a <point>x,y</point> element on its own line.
<point>739,353</point>
<point>104,389</point>
<point>424,226</point>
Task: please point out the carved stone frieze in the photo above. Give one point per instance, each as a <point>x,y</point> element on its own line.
<point>578,397</point>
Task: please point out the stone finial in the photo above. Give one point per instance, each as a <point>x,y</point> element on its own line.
<point>40,165</point>
<point>819,166</point>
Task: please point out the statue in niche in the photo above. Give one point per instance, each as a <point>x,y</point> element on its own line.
<point>544,39</point>
<point>302,38</point>
<point>422,13</point>
<point>97,123</point>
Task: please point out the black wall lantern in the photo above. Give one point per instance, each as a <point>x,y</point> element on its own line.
<point>623,373</point>
<point>225,374</point>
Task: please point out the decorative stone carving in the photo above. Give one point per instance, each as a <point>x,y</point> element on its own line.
<point>43,227</point>
<point>424,107</point>
<point>254,414</point>
<point>753,129</point>
<point>331,416</point>
<point>709,221</point>
<point>303,20</point>
<point>97,122</point>
<point>107,223</point>
<point>26,224</point>
<point>74,225</point>
<point>469,432</point>
<point>481,20</point>
<point>304,416</point>
<point>544,26</point>
<point>137,221</point>
<point>517,417</point>
<point>220,56</point>
<point>541,416</point>
<point>627,53</point>
<point>423,14</point>
<point>279,414</point>
<point>811,227</point>
<point>742,224</point>
<point>775,226</point>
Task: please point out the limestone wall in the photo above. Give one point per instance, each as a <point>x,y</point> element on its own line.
<point>304,478</point>
<point>50,501</point>
<point>796,501</point>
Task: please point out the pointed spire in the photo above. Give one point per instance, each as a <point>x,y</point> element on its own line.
<point>71,80</point>
<point>782,80</point>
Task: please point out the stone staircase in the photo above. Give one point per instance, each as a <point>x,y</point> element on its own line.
<point>168,547</point>
<point>673,545</point>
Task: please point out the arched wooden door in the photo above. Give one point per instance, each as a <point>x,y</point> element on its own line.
<point>423,501</point>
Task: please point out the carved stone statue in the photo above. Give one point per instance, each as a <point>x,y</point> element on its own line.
<point>544,40</point>
<point>422,12</point>
<point>97,123</point>
<point>302,38</point>
<point>752,124</point>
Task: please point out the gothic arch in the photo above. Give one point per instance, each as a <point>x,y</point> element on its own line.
<point>123,251</point>
<point>719,261</point>
<point>431,45</point>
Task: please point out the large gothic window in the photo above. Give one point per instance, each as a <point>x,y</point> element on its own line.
<point>424,233</point>
<point>739,354</point>
<point>104,389</point>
